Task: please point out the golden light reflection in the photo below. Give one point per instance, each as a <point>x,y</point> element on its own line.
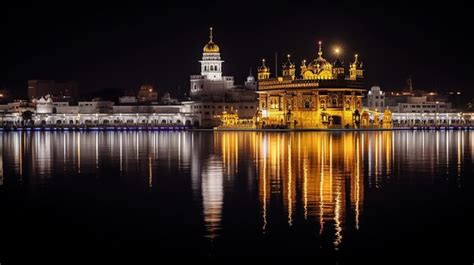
<point>318,178</point>
<point>325,164</point>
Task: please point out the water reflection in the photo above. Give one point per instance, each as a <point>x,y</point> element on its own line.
<point>318,179</point>
<point>318,174</point>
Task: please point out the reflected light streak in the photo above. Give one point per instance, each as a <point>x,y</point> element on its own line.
<point>212,196</point>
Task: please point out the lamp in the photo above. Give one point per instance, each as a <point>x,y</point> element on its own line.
<point>356,117</point>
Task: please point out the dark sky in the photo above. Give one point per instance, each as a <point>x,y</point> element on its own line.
<point>113,46</point>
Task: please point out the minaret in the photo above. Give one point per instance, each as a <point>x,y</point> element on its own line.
<point>251,83</point>
<point>320,51</point>
<point>356,70</point>
<point>289,68</point>
<point>303,67</point>
<point>263,71</point>
<point>211,63</point>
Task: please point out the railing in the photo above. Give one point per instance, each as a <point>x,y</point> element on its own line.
<point>112,126</point>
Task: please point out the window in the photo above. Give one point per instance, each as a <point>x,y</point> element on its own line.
<point>306,105</point>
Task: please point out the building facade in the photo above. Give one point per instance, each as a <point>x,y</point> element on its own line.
<point>376,99</point>
<point>212,93</point>
<point>321,97</point>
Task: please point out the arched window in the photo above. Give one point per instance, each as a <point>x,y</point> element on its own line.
<point>205,68</point>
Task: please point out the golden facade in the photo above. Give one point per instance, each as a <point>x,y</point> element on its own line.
<point>322,97</point>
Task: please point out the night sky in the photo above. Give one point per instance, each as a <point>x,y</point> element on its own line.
<point>113,47</point>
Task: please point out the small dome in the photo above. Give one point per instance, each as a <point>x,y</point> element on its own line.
<point>263,67</point>
<point>211,47</point>
<point>288,64</point>
<point>321,63</point>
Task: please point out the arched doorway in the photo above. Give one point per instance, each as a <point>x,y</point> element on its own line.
<point>336,120</point>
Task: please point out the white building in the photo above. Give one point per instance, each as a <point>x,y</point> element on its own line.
<point>212,93</point>
<point>376,99</point>
<point>211,82</point>
<point>97,105</point>
<point>128,100</point>
<point>420,104</point>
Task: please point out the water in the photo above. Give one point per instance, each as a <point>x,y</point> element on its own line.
<point>145,194</point>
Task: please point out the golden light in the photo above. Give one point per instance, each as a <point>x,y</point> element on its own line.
<point>337,51</point>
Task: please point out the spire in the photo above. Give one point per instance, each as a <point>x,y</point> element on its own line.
<point>288,64</point>
<point>250,73</point>
<point>210,34</point>
<point>320,52</point>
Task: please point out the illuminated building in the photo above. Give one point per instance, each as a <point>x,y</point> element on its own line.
<point>376,99</point>
<point>212,93</point>
<point>321,97</point>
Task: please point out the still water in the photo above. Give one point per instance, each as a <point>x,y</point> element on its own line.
<point>334,194</point>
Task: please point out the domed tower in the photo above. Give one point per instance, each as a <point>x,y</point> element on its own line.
<point>211,63</point>
<point>251,83</point>
<point>356,70</point>
<point>289,68</point>
<point>319,68</point>
<point>303,67</point>
<point>263,71</point>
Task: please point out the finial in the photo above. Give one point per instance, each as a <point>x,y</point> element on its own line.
<point>210,35</point>
<point>263,62</point>
<point>320,52</point>
<point>250,73</point>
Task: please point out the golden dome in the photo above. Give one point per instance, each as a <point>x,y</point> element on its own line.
<point>211,47</point>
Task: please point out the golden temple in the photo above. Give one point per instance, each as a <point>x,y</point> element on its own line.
<point>321,97</point>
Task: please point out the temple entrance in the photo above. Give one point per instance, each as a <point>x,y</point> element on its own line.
<point>336,120</point>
